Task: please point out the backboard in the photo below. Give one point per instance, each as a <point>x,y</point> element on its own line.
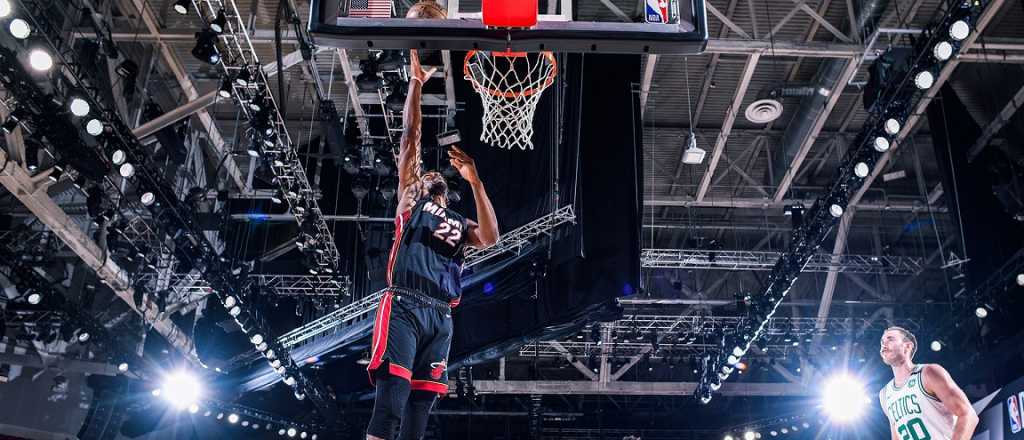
<point>659,27</point>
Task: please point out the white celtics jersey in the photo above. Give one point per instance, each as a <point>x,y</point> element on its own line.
<point>914,413</point>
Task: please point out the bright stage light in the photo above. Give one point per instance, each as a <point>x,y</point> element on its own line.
<point>844,398</point>
<point>861,170</point>
<point>924,80</point>
<point>1020,279</point>
<point>193,408</point>
<point>5,8</point>
<point>292,432</point>
<point>79,107</point>
<point>40,60</point>
<point>942,50</point>
<point>892,126</point>
<point>181,389</point>
<point>19,29</point>
<point>936,345</point>
<point>749,435</point>
<point>122,367</point>
<point>728,437</point>
<point>959,30</point>
<point>94,127</point>
<point>233,418</point>
<point>837,211</point>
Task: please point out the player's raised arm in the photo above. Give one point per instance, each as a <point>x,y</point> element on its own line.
<point>484,232</point>
<point>938,382</point>
<point>409,153</point>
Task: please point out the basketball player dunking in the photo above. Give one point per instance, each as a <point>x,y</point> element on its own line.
<point>413,328</point>
<point>922,401</point>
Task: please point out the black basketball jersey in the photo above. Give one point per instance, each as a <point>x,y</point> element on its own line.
<point>427,253</point>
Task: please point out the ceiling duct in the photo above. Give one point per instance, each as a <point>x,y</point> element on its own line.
<point>812,104</point>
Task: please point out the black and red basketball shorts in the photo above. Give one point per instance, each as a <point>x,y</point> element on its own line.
<point>411,337</point>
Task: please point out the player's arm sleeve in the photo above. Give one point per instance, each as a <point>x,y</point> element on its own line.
<point>937,382</point>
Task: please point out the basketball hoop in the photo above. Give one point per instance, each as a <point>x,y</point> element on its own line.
<point>510,85</point>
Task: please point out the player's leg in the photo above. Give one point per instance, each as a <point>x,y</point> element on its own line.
<point>388,406</point>
<point>430,372</point>
<point>392,351</point>
<point>417,411</point>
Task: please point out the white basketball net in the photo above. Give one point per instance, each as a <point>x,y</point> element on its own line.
<point>510,87</point>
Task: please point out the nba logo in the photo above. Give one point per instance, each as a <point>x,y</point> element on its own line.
<point>656,11</point>
<point>1015,416</point>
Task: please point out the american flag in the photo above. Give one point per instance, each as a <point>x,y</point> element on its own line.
<point>369,8</point>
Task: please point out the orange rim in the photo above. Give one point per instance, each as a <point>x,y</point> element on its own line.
<point>509,54</point>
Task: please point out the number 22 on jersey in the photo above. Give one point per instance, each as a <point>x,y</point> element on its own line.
<point>448,234</point>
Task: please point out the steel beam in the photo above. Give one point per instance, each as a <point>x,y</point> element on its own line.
<point>353,92</point>
<point>755,203</point>
<point>915,115</point>
<point>842,234</point>
<point>730,117</point>
<point>177,69</point>
<point>646,81</point>
<point>1000,120</point>
<point>562,387</point>
<point>31,191</point>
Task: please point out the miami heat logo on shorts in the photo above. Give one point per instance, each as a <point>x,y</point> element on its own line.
<point>437,369</point>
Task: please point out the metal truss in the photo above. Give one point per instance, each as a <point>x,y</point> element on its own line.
<point>344,316</point>
<point>519,238</point>
<point>682,336</point>
<point>237,54</point>
<point>766,260</point>
<point>191,284</point>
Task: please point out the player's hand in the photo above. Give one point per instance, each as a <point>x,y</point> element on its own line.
<point>416,70</point>
<point>462,162</point>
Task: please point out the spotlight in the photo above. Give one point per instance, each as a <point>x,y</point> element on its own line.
<point>303,434</point>
<point>219,22</point>
<point>299,395</point>
<point>270,355</point>
<point>230,301</point>
<point>936,345</point>
<point>289,381</point>
<point>738,351</point>
<point>245,423</point>
<point>126,170</point>
<point>118,157</point>
<point>5,8</point>
<point>844,398</point>
<point>94,127</point>
<point>19,29</point>
<point>892,126</point>
<point>280,370</point>
<point>275,364</point>
<point>253,152</point>
<point>861,170</point>
<point>280,431</point>
<point>193,408</point>
<point>1020,279</point>
<point>148,198</point>
<point>257,103</point>
<point>942,50</point>
<point>35,298</point>
<point>292,432</point>
<point>235,311</point>
<point>728,437</point>
<point>243,77</point>
<point>181,389</point>
<point>881,144</point>
<point>278,197</point>
<point>924,80</point>
<point>959,30</point>
<point>122,367</point>
<point>837,211</point>
<point>256,339</point>
<point>181,6</point>
<point>732,360</point>
<point>225,88</point>
<point>233,418</point>
<point>982,311</point>
<point>749,435</point>
<point>206,47</point>
<point>83,337</point>
<point>79,107</point>
<point>40,60</point>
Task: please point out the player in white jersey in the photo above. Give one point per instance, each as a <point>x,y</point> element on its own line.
<point>922,402</point>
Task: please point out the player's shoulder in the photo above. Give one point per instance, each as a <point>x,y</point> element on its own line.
<point>932,369</point>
